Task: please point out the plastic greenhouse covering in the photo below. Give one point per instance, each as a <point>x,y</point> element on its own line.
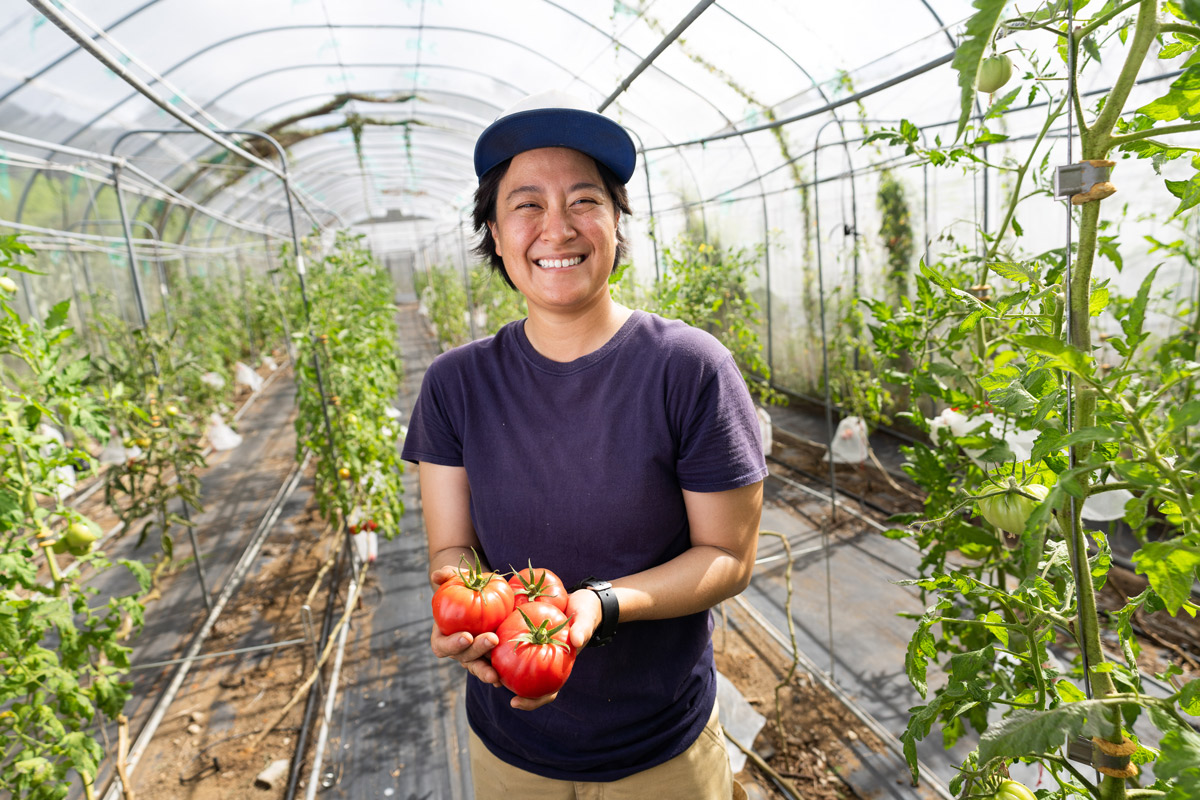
<point>378,105</point>
<point>145,142</point>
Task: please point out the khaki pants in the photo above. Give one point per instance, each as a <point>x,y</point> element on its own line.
<point>699,773</point>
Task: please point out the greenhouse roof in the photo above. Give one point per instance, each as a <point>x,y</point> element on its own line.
<point>415,82</point>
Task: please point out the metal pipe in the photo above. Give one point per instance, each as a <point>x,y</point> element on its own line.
<point>56,16</point>
<point>256,648</point>
<point>691,17</point>
<point>853,98</point>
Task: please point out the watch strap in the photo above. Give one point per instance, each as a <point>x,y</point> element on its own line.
<point>610,610</point>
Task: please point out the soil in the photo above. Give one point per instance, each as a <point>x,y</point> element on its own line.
<point>822,734</point>
<point>201,750</point>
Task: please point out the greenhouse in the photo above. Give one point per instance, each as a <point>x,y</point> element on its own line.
<point>646,399</point>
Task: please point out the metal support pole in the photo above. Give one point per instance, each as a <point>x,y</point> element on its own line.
<point>462,243</point>
<point>828,397</point>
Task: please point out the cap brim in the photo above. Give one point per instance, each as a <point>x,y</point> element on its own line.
<point>585,131</point>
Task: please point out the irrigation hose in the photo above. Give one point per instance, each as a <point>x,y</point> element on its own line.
<point>331,695</point>
<point>240,570</point>
<point>310,705</point>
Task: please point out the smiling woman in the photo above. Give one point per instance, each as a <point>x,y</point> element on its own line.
<point>614,447</point>
<point>555,230</point>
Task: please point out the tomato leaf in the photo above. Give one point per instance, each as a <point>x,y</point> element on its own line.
<point>1132,325</point>
<point>1189,697</point>
<point>1170,566</point>
<point>923,647</point>
<point>1027,732</point>
<point>1182,100</point>
<point>1015,271</point>
<point>971,51</point>
<point>1184,416</point>
<point>1188,193</point>
<point>1179,756</point>
<point>1060,354</point>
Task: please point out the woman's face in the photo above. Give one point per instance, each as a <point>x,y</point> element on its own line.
<point>556,229</point>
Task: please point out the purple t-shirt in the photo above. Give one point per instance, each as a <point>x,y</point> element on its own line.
<point>578,468</point>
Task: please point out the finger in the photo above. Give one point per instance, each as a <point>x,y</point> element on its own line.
<point>484,671</point>
<point>530,703</point>
<point>584,609</point>
<point>441,575</point>
<point>462,646</point>
<point>449,646</point>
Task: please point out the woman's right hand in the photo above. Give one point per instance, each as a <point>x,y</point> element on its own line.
<point>470,651</point>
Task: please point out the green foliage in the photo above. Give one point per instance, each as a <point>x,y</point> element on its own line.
<point>981,28</point>
<point>444,302</point>
<point>709,288</point>
<point>993,358</point>
<point>353,425</point>
<point>59,656</point>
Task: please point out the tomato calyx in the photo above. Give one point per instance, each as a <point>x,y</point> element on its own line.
<point>540,634</point>
<point>1007,789</point>
<point>532,589</point>
<point>475,578</point>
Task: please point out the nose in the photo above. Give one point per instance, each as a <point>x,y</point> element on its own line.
<point>557,225</point>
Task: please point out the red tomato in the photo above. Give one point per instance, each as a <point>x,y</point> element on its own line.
<point>541,585</point>
<point>473,601</point>
<point>534,657</point>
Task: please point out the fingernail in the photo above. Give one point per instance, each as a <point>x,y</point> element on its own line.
<point>463,641</point>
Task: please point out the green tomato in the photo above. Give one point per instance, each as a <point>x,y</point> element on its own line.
<point>8,285</point>
<point>79,538</point>
<point>1010,510</point>
<point>1012,790</point>
<point>994,72</point>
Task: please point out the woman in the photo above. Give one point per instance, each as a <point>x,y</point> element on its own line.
<point>602,443</point>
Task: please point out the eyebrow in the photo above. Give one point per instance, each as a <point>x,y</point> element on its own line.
<point>531,189</point>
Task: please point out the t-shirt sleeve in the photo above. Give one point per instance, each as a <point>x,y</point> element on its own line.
<point>720,443</point>
<point>431,433</point>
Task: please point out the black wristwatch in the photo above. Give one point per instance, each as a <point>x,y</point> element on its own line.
<point>610,611</point>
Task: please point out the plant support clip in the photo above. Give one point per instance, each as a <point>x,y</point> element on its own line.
<point>1085,181</point>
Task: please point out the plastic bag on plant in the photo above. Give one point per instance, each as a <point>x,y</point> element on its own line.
<point>392,412</point>
<point>960,424</point>
<point>220,435</point>
<point>764,429</point>
<point>247,377</point>
<point>850,442</point>
<point>269,363</point>
<point>1106,506</point>
<point>61,478</point>
<point>117,453</point>
<point>366,544</point>
<point>213,379</point>
<point>739,719</point>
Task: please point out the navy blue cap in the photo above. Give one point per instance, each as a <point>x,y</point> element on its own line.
<point>555,119</point>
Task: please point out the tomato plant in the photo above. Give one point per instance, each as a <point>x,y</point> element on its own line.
<point>534,658</point>
<point>348,352</point>
<point>540,585</point>
<point>474,600</point>
<point>60,651</point>
<point>1086,419</point>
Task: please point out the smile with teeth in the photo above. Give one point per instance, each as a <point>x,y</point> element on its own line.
<point>558,263</point>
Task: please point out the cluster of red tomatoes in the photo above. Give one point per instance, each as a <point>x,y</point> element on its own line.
<point>527,611</point>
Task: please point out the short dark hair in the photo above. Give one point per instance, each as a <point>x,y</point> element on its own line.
<point>485,212</point>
